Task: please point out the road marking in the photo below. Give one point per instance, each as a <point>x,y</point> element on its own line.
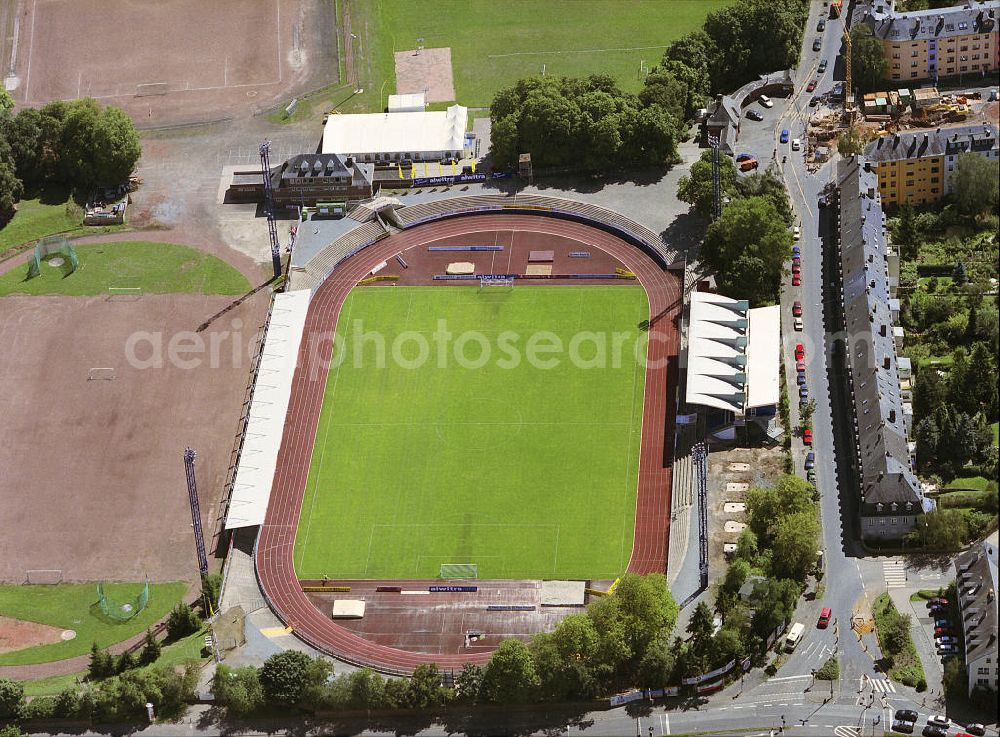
<point>846,731</point>
<point>895,573</point>
<point>884,685</point>
<point>787,678</point>
<point>665,724</point>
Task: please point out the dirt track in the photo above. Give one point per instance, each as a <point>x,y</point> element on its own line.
<point>276,542</point>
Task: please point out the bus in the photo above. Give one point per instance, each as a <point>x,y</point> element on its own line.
<point>794,636</point>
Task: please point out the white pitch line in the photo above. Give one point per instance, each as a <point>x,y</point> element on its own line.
<point>31,46</point>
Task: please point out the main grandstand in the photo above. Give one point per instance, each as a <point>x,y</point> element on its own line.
<point>534,241</point>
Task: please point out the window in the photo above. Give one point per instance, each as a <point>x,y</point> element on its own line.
<point>964,68</point>
<point>895,56</point>
<point>934,190</point>
<point>964,48</point>
<point>913,74</point>
<point>983,671</point>
<point>934,170</point>
<point>895,66</point>
<point>951,59</point>
<point>909,182</point>
<point>934,180</point>
<point>914,54</point>
<point>983,681</point>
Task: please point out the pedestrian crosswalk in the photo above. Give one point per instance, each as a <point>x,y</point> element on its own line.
<point>884,685</point>
<point>895,573</point>
<point>846,731</point>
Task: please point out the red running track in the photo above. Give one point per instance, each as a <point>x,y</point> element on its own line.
<point>276,542</point>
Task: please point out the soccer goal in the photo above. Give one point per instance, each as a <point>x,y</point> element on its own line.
<point>101,374</point>
<point>124,294</point>
<point>459,570</point>
<point>44,576</point>
<point>496,280</point>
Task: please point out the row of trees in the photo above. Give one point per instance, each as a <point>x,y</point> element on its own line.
<point>119,698</point>
<point>78,144</point>
<point>748,244</point>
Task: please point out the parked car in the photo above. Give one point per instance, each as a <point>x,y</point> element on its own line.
<point>803,394</point>
<point>824,618</point>
<point>945,640</point>
<point>942,623</point>
<point>744,157</point>
<point>807,437</point>
<point>821,25</point>
<point>937,601</point>
<point>812,85</point>
<point>977,729</point>
<point>823,201</point>
<point>939,720</point>
<point>765,101</point>
<point>800,366</point>
<point>784,135</point>
<point>796,280</point>
<point>947,650</point>
<point>796,144</point>
<point>796,251</point>
<point>906,715</point>
<point>755,115</point>
<point>800,353</point>
<point>937,610</point>
<point>800,379</point>
<point>822,66</point>
<point>797,324</point>
<point>811,476</point>
<point>814,100</point>
<point>749,165</point>
<point>933,731</point>
<point>902,726</point>
<point>817,44</point>
<point>796,268</point>
<point>796,232</point>
<point>797,308</point>
<point>810,460</point>
<point>938,631</point>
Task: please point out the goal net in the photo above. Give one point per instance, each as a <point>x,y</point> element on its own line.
<point>121,611</point>
<point>44,576</point>
<point>459,570</point>
<point>124,294</point>
<point>101,374</point>
<point>52,245</point>
<point>496,280</point>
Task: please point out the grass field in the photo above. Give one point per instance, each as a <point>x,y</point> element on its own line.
<point>158,268</point>
<point>45,214</point>
<point>74,607</point>
<point>526,471</point>
<point>495,43</point>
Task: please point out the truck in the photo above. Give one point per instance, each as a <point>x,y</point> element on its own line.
<point>794,636</point>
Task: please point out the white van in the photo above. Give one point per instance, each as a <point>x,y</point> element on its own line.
<point>794,636</point>
<point>765,101</point>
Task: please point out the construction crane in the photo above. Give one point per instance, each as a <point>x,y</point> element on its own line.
<point>848,87</point>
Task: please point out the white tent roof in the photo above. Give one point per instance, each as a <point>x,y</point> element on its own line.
<point>732,352</point>
<point>255,470</point>
<point>409,102</point>
<point>763,351</point>
<point>386,133</point>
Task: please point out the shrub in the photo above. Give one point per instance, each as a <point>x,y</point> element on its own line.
<point>40,707</point>
<point>182,622</point>
<point>11,699</point>
<point>829,671</point>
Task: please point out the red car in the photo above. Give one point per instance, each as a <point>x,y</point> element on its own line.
<point>800,366</point>
<point>938,601</point>
<point>800,352</point>
<point>796,268</point>
<point>796,280</point>
<point>807,437</point>
<point>796,309</point>
<point>811,86</point>
<point>941,632</point>
<point>824,618</point>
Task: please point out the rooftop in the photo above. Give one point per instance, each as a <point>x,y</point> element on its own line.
<point>382,133</point>
<point>935,23</point>
<point>887,477</point>
<point>977,589</point>
<point>921,143</point>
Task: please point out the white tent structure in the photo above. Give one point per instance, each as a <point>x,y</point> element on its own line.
<point>733,354</point>
<point>259,458</point>
<point>389,137</point>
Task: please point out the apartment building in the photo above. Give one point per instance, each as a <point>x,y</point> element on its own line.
<point>917,165</point>
<point>939,42</point>
<point>976,586</point>
<point>890,499</point>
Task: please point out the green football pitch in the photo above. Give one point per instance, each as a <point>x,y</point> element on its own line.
<point>493,44</point>
<point>524,463</point>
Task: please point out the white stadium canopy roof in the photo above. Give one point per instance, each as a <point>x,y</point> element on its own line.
<point>386,133</point>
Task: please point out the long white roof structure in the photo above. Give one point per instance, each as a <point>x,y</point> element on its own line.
<point>733,353</point>
<point>386,133</point>
<point>257,463</point>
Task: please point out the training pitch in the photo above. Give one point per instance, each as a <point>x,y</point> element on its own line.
<point>527,471</point>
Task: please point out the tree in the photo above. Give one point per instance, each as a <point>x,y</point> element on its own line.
<point>182,621</point>
<point>906,236</point>
<point>467,683</point>
<point>367,689</point>
<point>773,602</point>
<point>747,247</point>
<point>796,540</point>
<point>943,530</point>
<point>6,102</point>
<point>560,678</point>
<point>726,645</point>
<point>767,505</point>
<point>959,273</point>
<point>868,63</point>
<point>698,189</point>
<point>769,185</point>
<point>929,393</point>
<point>849,143</point>
<point>928,437</point>
<point>126,661</point>
<point>11,730</point>
<point>238,690</point>
<point>11,190</point>
<point>150,650</point>
<point>11,699</point>
<point>67,703</point>
<point>284,676</point>
<point>829,671</point>
<point>646,608</point>
<point>510,676</point>
<point>424,689</point>
<point>975,183</point>
<point>99,147</point>
<point>955,680</point>
<point>701,627</point>
<point>695,51</point>
<point>658,664</point>
<point>102,663</point>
